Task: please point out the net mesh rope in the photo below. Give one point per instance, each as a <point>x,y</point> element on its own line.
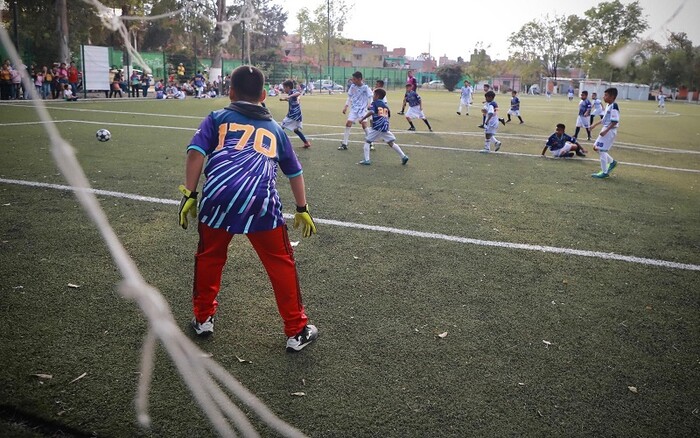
<point>206,379</point>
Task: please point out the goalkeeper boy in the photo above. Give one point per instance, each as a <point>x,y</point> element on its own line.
<point>242,146</point>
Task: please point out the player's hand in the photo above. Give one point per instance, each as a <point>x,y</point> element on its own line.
<point>345,109</point>
<point>188,206</point>
<point>303,217</point>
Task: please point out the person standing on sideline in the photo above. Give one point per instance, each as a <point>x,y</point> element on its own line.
<point>415,108</point>
<point>73,77</point>
<point>243,146</point>
<point>359,99</point>
<point>584,113</point>
<point>514,106</point>
<point>293,119</point>
<point>465,98</point>
<point>379,111</point>
<point>490,112</point>
<point>604,142</point>
<point>597,107</point>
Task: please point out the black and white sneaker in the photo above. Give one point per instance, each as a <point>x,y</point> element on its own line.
<point>302,339</point>
<point>204,329</point>
<point>343,147</point>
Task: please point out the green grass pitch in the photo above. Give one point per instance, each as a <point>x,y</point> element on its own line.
<point>514,256</point>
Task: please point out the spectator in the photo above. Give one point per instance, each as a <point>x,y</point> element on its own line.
<point>73,77</point>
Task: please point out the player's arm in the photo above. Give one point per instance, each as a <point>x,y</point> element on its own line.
<point>544,149</point>
<point>608,128</point>
<point>188,205</point>
<point>302,216</point>
<point>369,113</point>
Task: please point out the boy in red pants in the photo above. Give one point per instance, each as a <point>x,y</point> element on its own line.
<point>243,146</point>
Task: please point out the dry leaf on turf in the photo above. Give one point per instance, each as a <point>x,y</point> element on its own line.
<point>78,378</point>
<point>73,286</point>
<point>298,394</point>
<point>243,360</point>
<point>442,335</point>
<point>632,389</point>
<point>547,343</point>
<point>43,376</point>
<point>294,244</point>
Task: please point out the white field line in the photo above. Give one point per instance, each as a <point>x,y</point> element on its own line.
<point>399,231</point>
<point>420,146</point>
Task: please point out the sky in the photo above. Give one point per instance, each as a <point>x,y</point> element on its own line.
<point>454,28</point>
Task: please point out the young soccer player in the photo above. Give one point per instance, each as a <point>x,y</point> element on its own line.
<point>597,107</point>
<point>584,113</point>
<point>662,103</point>
<point>604,142</point>
<point>379,130</point>
<point>359,98</point>
<point>487,88</point>
<point>465,98</point>
<point>561,144</point>
<point>490,112</point>
<point>415,108</point>
<point>514,106</point>
<point>243,146</point>
<point>413,82</point>
<point>293,119</point>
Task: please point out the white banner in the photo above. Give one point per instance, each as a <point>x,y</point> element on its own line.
<point>95,68</point>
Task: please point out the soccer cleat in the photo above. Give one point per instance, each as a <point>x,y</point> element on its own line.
<point>568,155</point>
<point>485,151</point>
<point>600,175</point>
<point>503,121</point>
<point>404,160</point>
<point>612,166</point>
<point>580,154</point>
<point>371,147</point>
<point>302,339</point>
<point>400,113</point>
<point>498,145</point>
<point>481,126</point>
<point>307,145</point>
<point>458,113</point>
<point>365,162</point>
<point>466,114</point>
<point>343,147</point>
<point>204,329</point>
<point>430,130</point>
<point>508,121</point>
<point>412,128</point>
<point>521,122</point>
<point>588,139</point>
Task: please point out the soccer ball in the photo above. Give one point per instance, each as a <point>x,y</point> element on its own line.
<point>103,135</point>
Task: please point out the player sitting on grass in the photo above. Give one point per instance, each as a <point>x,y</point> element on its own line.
<point>561,144</point>
<point>379,111</point>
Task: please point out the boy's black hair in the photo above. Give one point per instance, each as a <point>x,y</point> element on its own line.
<point>380,93</point>
<point>584,92</point>
<point>514,91</point>
<point>380,83</point>
<point>487,86</point>
<point>612,91</point>
<point>490,93</point>
<point>409,85</point>
<point>247,82</point>
<point>357,75</point>
<point>562,126</point>
<point>288,83</point>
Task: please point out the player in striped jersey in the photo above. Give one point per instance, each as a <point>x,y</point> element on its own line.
<point>359,99</point>
<point>293,119</point>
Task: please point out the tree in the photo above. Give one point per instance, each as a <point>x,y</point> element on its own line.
<point>610,26</point>
<point>545,42</point>
<point>479,66</point>
<point>450,75</point>
<point>321,30</point>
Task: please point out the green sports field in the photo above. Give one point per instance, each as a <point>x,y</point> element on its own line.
<point>463,294</point>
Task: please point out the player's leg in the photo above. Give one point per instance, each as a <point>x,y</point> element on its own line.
<point>487,143</point>
<point>346,135</point>
<point>277,256</point>
<point>411,128</point>
<point>209,262</point>
<point>427,123</point>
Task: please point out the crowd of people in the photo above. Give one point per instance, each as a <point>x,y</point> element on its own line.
<point>48,82</point>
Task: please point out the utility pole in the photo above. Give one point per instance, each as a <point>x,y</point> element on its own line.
<point>329,39</point>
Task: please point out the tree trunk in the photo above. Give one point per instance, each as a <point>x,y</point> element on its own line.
<point>216,61</point>
<point>62,25</point>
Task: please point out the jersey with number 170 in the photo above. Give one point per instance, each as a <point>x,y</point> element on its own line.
<point>240,194</point>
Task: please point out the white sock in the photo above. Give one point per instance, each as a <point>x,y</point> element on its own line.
<point>487,144</point>
<point>459,110</point>
<point>365,149</point>
<point>346,137</point>
<point>605,160</point>
<point>398,150</point>
<point>495,140</point>
<point>366,130</point>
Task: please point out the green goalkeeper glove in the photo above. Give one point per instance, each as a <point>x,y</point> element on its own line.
<point>303,217</point>
<point>188,206</point>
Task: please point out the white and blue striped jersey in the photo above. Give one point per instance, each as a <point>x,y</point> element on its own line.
<point>294,112</point>
<point>359,98</point>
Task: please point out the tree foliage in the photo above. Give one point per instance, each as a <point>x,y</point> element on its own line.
<point>321,29</point>
<point>545,41</point>
<point>450,75</point>
<point>479,66</point>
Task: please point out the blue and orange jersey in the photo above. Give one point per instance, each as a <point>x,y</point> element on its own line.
<point>243,150</point>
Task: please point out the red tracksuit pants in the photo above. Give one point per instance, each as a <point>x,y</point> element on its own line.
<point>277,256</point>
